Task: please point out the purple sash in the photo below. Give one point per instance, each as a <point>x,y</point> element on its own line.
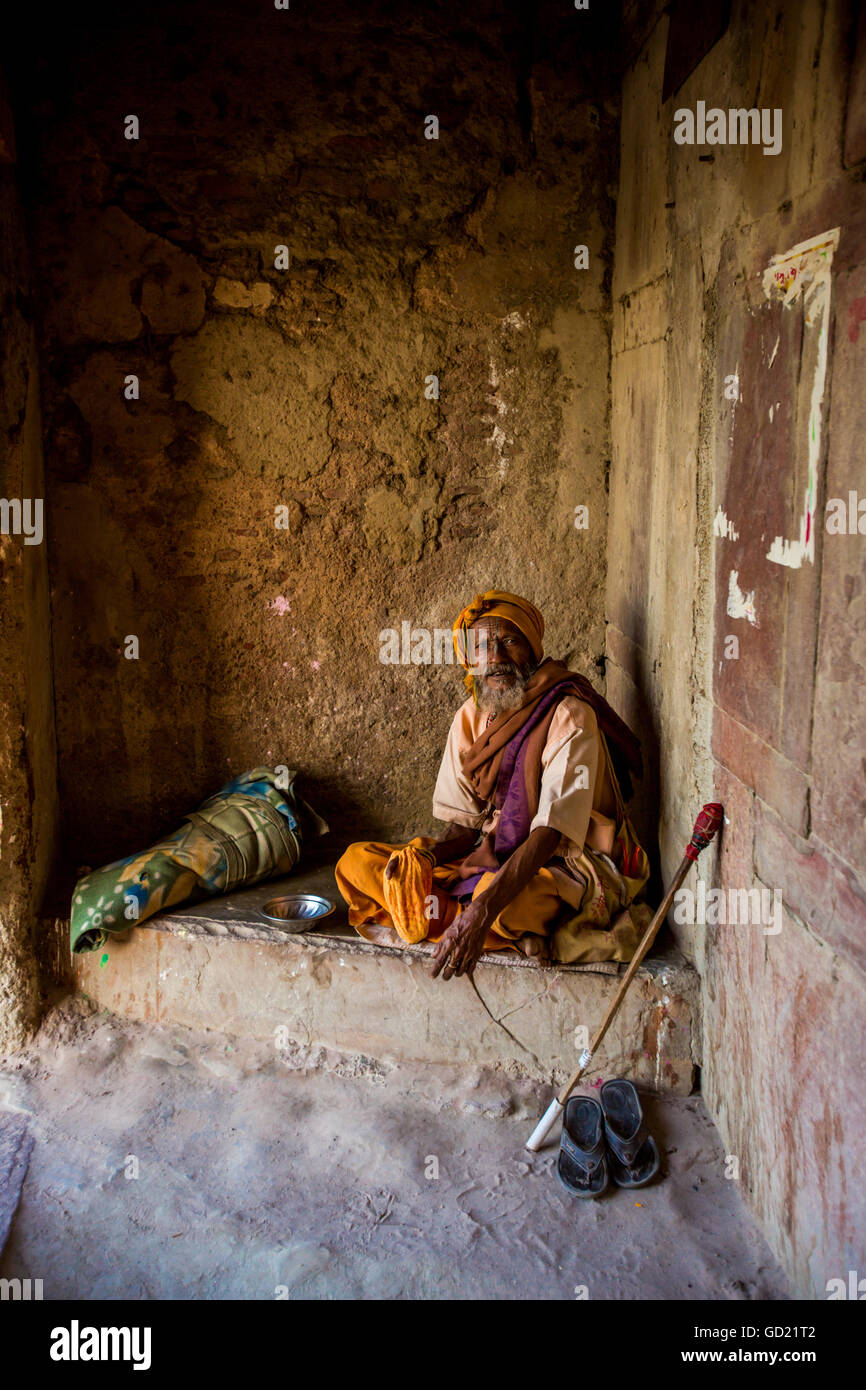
<point>510,794</point>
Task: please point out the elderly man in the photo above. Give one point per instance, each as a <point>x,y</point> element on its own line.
<point>537,854</point>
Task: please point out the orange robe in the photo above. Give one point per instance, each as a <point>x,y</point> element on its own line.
<point>582,885</point>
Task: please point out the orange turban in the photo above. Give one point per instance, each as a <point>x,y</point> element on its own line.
<point>498,604</point>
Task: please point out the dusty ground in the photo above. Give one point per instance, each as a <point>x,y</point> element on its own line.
<point>265,1174</point>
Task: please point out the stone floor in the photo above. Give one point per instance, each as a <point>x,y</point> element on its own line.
<point>299,1174</point>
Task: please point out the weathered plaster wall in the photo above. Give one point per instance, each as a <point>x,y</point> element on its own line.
<point>777,734</point>
<point>28,795</point>
<point>305,387</point>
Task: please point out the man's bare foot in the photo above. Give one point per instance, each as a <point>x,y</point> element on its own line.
<point>532,945</point>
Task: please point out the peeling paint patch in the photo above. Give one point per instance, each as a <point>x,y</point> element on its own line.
<point>741,605</point>
<point>792,553</point>
<point>723,527</point>
<point>804,273</point>
<point>805,267</point>
<point>735,384</point>
<point>497,437</point>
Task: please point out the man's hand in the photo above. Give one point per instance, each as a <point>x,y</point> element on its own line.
<point>460,946</point>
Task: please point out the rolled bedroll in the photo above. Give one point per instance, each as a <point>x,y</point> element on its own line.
<point>250,830</point>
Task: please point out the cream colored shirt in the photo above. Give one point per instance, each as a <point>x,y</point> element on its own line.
<point>576,795</point>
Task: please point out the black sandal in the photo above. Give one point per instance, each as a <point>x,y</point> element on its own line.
<point>582,1165</point>
<point>631,1149</point>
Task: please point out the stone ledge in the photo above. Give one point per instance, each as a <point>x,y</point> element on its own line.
<point>236,917</point>
<point>214,965</point>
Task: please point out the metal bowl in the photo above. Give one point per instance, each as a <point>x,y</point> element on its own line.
<point>297,911</point>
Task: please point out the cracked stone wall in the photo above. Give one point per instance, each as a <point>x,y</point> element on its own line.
<point>303,389</point>
<point>703,478</point>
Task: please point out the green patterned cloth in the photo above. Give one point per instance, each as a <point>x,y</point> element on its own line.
<point>249,831</point>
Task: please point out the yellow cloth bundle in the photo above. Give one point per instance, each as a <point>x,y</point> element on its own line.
<point>408,885</point>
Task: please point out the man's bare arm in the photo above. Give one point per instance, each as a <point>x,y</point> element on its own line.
<point>518,869</point>
<point>461,945</point>
<point>455,842</point>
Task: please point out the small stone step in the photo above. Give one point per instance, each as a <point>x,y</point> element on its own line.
<point>220,965</point>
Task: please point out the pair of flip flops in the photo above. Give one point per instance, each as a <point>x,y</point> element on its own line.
<point>603,1139</point>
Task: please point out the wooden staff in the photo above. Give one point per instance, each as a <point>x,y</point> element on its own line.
<point>706,826</point>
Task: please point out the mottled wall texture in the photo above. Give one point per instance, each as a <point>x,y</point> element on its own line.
<point>303,388</point>
<point>28,788</point>
<point>296,392</point>
<point>735,420</point>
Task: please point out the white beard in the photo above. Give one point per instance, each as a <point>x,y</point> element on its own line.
<point>496,700</point>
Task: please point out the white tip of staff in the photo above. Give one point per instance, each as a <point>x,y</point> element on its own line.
<point>544,1126</point>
